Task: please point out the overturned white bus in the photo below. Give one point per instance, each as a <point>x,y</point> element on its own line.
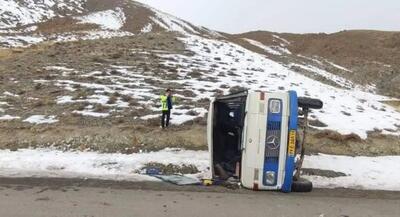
<point>252,136</point>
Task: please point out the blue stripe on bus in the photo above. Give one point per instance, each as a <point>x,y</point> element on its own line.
<point>293,116</point>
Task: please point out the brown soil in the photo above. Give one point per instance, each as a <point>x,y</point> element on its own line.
<point>330,142</point>
<point>395,104</point>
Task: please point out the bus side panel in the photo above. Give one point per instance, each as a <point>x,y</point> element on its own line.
<point>253,142</point>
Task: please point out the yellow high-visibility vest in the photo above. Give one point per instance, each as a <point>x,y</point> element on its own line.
<point>164,103</point>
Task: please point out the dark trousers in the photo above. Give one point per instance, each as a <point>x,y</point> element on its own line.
<point>165,118</point>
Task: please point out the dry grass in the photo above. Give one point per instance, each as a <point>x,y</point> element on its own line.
<point>335,136</point>
<point>395,104</point>
<point>6,53</point>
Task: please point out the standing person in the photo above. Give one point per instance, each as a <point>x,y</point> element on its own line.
<point>167,101</point>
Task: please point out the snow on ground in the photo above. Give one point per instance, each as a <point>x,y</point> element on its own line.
<point>8,117</point>
<point>170,22</point>
<point>373,173</point>
<point>109,19</point>
<point>23,12</point>
<point>179,116</point>
<point>379,173</point>
<point>331,77</point>
<point>281,39</point>
<point>147,28</point>
<point>51,163</point>
<point>6,93</point>
<point>41,119</point>
<point>92,113</point>
<point>20,40</point>
<point>26,41</point>
<point>339,67</point>
<point>346,111</point>
<point>268,49</point>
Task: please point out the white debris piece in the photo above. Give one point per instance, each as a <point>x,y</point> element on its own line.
<point>41,119</point>
<point>109,19</point>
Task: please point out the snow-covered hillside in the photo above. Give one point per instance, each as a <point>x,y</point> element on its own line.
<point>20,21</point>
<point>15,13</point>
<point>218,64</point>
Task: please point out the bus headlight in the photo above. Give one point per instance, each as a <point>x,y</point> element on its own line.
<point>275,106</point>
<point>270,177</point>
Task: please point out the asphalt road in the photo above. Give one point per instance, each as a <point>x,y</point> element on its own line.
<point>86,198</point>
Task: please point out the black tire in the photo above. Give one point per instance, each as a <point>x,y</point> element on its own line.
<point>302,185</point>
<point>306,102</point>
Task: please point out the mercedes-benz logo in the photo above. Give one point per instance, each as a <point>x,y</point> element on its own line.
<point>272,142</point>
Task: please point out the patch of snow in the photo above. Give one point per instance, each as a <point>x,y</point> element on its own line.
<point>109,19</point>
<point>23,12</point>
<point>171,23</point>
<point>64,99</point>
<point>51,163</point>
<point>147,28</point>
<point>19,40</point>
<point>339,67</point>
<point>335,78</point>
<point>372,173</point>
<point>17,31</point>
<point>310,58</point>
<point>10,94</point>
<point>377,173</point>
<point>89,35</point>
<point>262,46</point>
<point>212,32</point>
<point>183,118</point>
<point>350,110</point>
<point>282,39</point>
<point>8,118</point>
<point>41,119</point>
<point>58,68</point>
<point>148,117</point>
<point>26,41</point>
<point>92,114</point>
